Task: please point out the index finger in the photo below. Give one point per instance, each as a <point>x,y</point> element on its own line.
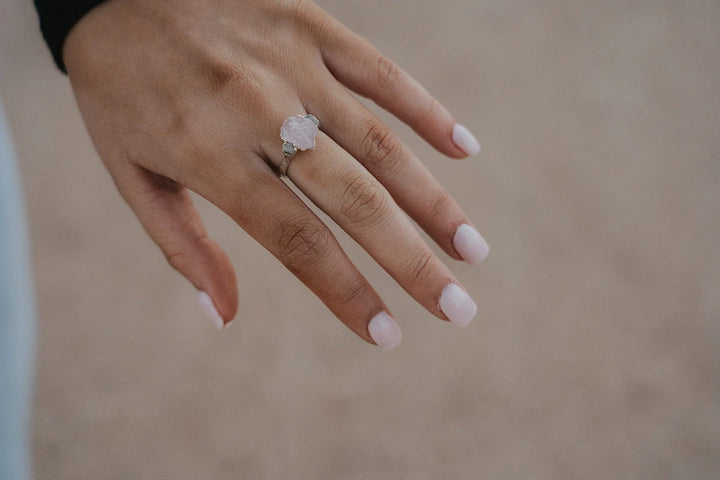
<point>363,69</point>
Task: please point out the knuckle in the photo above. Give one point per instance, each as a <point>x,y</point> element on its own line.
<point>180,257</point>
<point>363,201</point>
<point>177,259</point>
<point>387,73</point>
<point>302,243</point>
<point>190,139</point>
<point>382,148</point>
<point>354,293</point>
<point>439,204</point>
<point>223,73</point>
<point>134,152</point>
<point>421,266</point>
<point>431,110</point>
<point>241,82</point>
<point>300,12</point>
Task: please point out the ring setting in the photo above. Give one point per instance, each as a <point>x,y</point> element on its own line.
<point>298,133</point>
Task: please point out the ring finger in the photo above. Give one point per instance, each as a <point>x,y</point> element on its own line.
<point>271,213</point>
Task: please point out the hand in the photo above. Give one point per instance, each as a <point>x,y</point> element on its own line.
<point>184,95</point>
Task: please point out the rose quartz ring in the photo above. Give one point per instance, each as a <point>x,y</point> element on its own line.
<point>298,133</point>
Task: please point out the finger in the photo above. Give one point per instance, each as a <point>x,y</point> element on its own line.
<point>274,216</point>
<point>166,212</point>
<point>340,186</point>
<point>360,67</point>
<point>413,187</point>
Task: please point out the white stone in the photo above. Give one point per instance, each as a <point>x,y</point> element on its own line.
<point>300,131</point>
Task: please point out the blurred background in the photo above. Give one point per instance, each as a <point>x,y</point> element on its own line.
<point>595,350</point>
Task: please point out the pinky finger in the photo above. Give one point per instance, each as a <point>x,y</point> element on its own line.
<point>166,212</point>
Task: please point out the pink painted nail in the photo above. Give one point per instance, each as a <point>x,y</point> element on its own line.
<point>208,308</point>
<point>465,140</point>
<point>385,331</point>
<point>471,246</point>
<point>457,305</point>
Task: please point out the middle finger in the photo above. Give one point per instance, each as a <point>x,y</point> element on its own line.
<point>391,161</point>
<point>355,200</point>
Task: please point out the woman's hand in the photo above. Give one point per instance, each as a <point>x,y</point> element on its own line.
<point>183,95</point>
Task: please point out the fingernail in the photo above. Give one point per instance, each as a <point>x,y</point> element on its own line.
<point>471,246</point>
<point>208,308</point>
<point>465,140</point>
<point>385,331</point>
<point>457,305</point>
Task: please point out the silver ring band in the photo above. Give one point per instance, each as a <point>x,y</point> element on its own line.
<point>289,151</point>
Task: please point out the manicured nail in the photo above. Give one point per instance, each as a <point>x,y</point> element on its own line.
<point>385,331</point>
<point>457,305</point>
<point>471,246</point>
<point>465,140</point>
<point>208,308</point>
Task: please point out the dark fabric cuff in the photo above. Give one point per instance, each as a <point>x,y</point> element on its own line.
<point>57,17</point>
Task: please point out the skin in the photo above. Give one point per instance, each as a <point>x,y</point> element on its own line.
<point>190,95</point>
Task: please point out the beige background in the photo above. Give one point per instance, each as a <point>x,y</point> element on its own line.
<point>595,351</point>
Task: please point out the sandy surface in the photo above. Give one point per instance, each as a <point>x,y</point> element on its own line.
<point>595,351</point>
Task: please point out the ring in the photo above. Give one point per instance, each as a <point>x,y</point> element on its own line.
<point>298,133</point>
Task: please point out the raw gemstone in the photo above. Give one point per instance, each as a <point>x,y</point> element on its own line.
<point>300,131</point>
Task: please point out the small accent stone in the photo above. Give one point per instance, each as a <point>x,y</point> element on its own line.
<point>289,148</point>
<point>300,131</point>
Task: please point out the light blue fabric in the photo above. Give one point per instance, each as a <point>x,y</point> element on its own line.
<point>17,320</point>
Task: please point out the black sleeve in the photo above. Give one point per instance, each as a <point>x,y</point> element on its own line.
<point>57,17</point>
